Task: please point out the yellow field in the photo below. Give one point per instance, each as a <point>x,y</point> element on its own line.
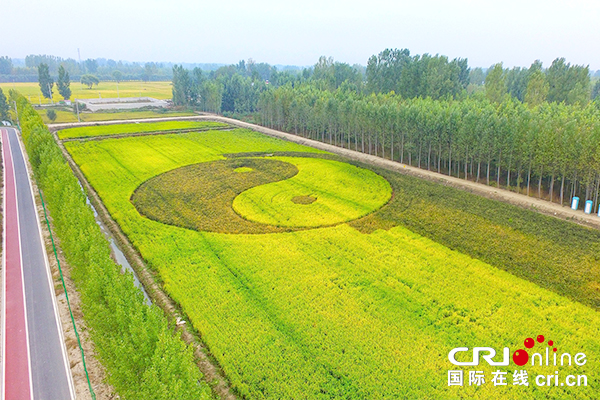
<point>106,89</point>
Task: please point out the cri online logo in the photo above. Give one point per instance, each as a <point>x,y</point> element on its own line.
<point>519,357</point>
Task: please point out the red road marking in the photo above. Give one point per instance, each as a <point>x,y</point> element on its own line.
<point>17,377</point>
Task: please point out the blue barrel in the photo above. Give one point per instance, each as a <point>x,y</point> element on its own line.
<point>575,203</point>
<point>588,206</point>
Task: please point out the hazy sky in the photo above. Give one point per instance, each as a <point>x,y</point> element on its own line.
<point>516,32</point>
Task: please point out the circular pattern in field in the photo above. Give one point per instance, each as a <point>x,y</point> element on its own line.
<point>261,195</point>
<point>344,192</point>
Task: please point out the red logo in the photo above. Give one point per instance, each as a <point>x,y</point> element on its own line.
<point>521,357</point>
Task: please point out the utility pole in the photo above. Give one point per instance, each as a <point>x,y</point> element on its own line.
<point>77,107</point>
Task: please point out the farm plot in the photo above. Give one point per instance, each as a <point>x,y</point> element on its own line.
<point>145,127</point>
<point>347,311</point>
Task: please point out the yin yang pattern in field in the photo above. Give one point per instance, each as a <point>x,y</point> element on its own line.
<point>261,195</point>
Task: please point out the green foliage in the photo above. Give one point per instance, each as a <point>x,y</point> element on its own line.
<point>117,75</point>
<point>45,80</point>
<point>64,83</point>
<point>51,114</point>
<point>433,76</point>
<point>596,90</point>
<point>89,80</point>
<point>4,108</point>
<point>143,357</point>
<point>567,83</point>
<point>555,147</point>
<point>363,315</point>
<point>495,83</point>
<point>5,65</point>
<point>144,127</point>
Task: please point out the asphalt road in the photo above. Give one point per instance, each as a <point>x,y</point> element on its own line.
<point>48,370</point>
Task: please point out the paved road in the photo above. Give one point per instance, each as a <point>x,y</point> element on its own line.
<point>34,362</point>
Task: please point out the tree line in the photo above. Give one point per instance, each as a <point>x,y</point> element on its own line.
<point>144,357</point>
<point>550,150</point>
<point>102,68</point>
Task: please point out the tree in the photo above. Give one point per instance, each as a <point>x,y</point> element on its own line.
<point>596,91</point>
<point>51,114</point>
<point>537,86</point>
<point>64,83</point>
<point>4,116</point>
<point>117,75</point>
<point>89,80</point>
<point>568,83</point>
<point>45,80</point>
<point>495,85</point>
<point>5,65</point>
<point>91,65</point>
<point>181,86</point>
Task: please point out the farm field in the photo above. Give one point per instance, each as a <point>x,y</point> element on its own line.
<point>366,306</point>
<point>64,116</point>
<point>105,89</point>
<point>107,130</point>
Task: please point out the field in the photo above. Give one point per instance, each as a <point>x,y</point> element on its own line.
<point>362,298</point>
<point>105,89</point>
<point>64,116</point>
<point>107,130</point>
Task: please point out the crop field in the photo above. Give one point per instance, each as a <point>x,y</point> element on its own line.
<point>116,129</point>
<point>105,89</point>
<point>312,277</point>
<point>65,116</point>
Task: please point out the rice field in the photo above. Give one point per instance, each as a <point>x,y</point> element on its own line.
<point>366,302</point>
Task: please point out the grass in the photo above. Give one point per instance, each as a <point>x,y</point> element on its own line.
<point>145,127</point>
<point>105,89</point>
<point>65,116</point>
<point>366,309</point>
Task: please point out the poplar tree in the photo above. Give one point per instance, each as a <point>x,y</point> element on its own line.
<point>64,83</point>
<point>45,80</point>
<point>3,107</point>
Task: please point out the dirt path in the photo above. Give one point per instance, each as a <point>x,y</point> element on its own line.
<point>531,203</point>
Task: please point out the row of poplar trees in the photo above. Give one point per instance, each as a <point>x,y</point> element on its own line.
<point>550,150</point>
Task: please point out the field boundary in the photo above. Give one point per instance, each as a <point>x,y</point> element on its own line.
<point>208,366</point>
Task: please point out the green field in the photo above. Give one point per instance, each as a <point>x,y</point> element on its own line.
<point>64,116</point>
<point>105,89</point>
<point>116,129</point>
<point>367,309</point>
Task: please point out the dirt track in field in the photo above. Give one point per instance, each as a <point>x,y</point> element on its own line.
<point>506,196</point>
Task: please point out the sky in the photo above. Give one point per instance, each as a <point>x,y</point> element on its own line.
<point>297,33</point>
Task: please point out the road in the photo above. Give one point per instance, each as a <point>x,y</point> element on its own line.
<point>34,358</point>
